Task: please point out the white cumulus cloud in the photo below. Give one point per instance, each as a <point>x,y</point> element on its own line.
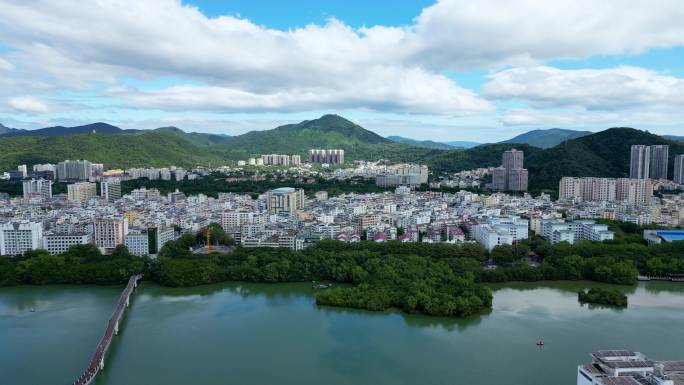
<point>28,104</point>
<point>250,67</point>
<point>593,89</point>
<point>613,96</point>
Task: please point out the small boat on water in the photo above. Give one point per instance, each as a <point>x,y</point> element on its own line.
<point>33,310</point>
<point>321,285</point>
<point>540,343</point>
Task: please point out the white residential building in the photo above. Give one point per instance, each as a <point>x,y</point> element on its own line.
<point>111,190</point>
<point>81,191</point>
<point>515,226</point>
<point>60,243</point>
<point>490,236</point>
<point>559,230</point>
<point>589,189</point>
<point>148,241</point>
<point>19,237</point>
<point>39,188</point>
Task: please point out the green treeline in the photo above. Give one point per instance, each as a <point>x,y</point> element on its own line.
<point>82,264</point>
<point>617,262</point>
<point>412,277</point>
<point>607,297</point>
<point>434,279</point>
<point>215,183</point>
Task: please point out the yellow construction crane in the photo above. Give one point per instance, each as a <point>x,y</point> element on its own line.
<point>209,239</point>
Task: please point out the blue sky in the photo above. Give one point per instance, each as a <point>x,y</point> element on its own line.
<point>478,70</point>
<point>298,13</point>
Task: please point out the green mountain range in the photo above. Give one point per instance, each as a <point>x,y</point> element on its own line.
<point>114,150</point>
<point>604,153</point>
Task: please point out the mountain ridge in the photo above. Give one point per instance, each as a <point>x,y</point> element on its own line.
<point>420,143</point>
<point>605,153</point>
<point>97,127</point>
<point>547,138</point>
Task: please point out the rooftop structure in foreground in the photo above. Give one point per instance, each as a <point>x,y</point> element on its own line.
<point>624,367</point>
<point>660,236</point>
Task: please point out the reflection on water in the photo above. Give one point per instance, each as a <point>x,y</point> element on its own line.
<point>274,333</point>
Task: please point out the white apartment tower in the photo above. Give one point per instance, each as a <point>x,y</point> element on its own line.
<point>18,237</point>
<point>37,188</point>
<point>74,170</point>
<point>111,190</point>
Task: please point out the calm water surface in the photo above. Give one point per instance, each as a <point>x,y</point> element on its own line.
<point>275,334</point>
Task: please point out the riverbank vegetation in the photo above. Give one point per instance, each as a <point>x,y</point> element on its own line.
<point>435,279</point>
<point>606,297</point>
<point>82,264</point>
<point>414,278</point>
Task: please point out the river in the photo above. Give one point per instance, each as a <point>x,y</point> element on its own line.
<point>275,334</point>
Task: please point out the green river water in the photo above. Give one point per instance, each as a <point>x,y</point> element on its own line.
<point>240,333</point>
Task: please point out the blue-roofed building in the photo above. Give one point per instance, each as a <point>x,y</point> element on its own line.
<point>655,237</point>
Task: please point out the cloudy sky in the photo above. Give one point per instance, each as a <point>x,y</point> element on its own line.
<point>480,70</point>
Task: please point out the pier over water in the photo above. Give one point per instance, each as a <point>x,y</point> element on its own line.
<point>97,359</point>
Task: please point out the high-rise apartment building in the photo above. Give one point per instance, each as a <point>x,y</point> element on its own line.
<point>512,159</point>
<point>109,233</point>
<point>659,161</point>
<point>39,188</point>
<point>403,174</point>
<point>18,237</point>
<point>639,162</point>
<point>23,170</point>
<point>326,156</point>
<point>296,160</point>
<point>81,191</point>
<point>74,170</point>
<point>276,160</point>
<point>679,169</point>
<point>634,191</point>
<point>499,178</point>
<point>517,179</point>
<point>589,189</point>
<point>511,176</point>
<point>111,190</point>
<point>285,200</point>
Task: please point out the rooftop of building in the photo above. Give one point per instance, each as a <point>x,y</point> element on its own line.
<point>625,367</point>
<point>671,235</point>
<point>283,190</point>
